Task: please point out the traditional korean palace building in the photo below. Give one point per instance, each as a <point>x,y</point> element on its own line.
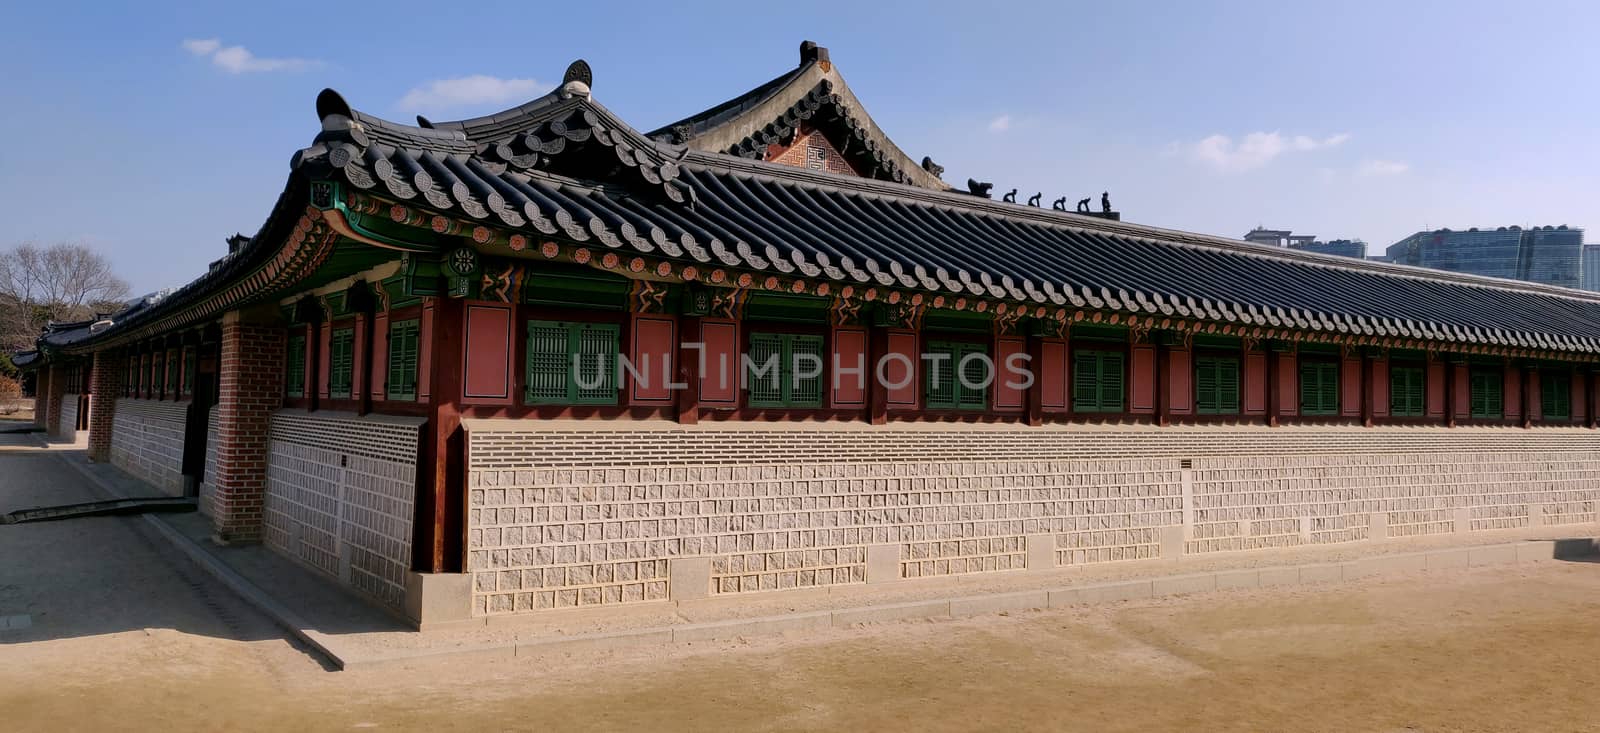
<point>379,383</point>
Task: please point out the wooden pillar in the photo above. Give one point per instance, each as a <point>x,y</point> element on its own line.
<point>1163,386</point>
<point>1589,396</point>
<point>1035,397</point>
<point>1369,383</point>
<point>1527,396</point>
<point>877,393</point>
<point>440,526</point>
<point>1273,356</point>
<point>1452,373</point>
<point>689,371</point>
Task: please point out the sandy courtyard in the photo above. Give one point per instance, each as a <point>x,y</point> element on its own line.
<point>1488,649</point>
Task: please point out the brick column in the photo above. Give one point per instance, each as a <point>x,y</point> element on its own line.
<point>58,389</point>
<point>41,401</point>
<point>251,372</point>
<point>105,384</point>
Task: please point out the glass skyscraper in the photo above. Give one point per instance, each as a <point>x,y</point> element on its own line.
<point>1549,255</point>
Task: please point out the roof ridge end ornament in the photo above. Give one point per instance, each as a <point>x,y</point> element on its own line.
<point>811,52</point>
<point>578,71</point>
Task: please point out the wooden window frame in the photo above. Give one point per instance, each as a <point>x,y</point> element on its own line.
<point>961,396</point>
<point>785,343</point>
<point>1494,381</point>
<point>1323,368</point>
<point>1098,405</point>
<point>573,393</point>
<point>1217,360</point>
<point>341,376</point>
<point>1417,372</point>
<point>400,393</point>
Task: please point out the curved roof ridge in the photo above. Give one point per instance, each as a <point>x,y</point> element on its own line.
<point>1071,220</point>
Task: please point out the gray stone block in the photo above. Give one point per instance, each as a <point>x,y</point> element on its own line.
<point>883,563</point>
<point>589,643</point>
<point>1177,584</point>
<point>1171,543</point>
<point>688,578</point>
<point>1495,555</point>
<point>1041,551</point>
<point>753,627</point>
<point>1390,564</point>
<point>1448,559</point>
<point>1321,573</point>
<point>1238,579</point>
<point>1536,551</point>
<point>978,605</point>
<point>1378,526</point>
<point>1463,520</point>
<point>1269,577</point>
<point>1125,591</point>
<point>1535,514</point>
<point>892,612</point>
<point>433,599</point>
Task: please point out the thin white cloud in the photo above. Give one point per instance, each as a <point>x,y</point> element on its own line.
<point>1378,167</point>
<point>239,60</point>
<point>471,90</point>
<point>1256,149</point>
<point>1000,124</point>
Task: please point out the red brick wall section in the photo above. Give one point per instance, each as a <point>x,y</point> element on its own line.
<point>105,382</point>
<point>41,402</point>
<point>252,387</point>
<point>58,387</point>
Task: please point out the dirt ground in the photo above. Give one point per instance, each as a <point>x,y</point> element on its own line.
<point>1490,649</point>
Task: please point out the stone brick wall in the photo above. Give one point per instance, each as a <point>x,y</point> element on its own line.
<point>341,495</point>
<point>67,422</point>
<point>147,441</point>
<point>571,514</point>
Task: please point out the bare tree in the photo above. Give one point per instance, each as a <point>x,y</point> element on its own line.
<point>66,281</point>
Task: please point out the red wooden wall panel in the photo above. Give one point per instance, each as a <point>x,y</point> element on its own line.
<point>1463,396</point>
<point>1180,382</point>
<point>1142,380</point>
<point>1513,393</point>
<point>1288,385</point>
<point>1052,375</point>
<point>653,339</point>
<point>379,379</point>
<point>719,383</point>
<point>850,370</point>
<point>1580,397</point>
<point>1435,379</point>
<point>1350,388</point>
<point>1007,395</point>
<point>1254,398</point>
<point>487,357</point>
<point>1535,408</point>
<point>425,352</point>
<point>1380,387</point>
<point>895,370</point>
<point>323,357</point>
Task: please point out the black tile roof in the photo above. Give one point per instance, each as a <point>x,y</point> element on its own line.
<point>565,167</point>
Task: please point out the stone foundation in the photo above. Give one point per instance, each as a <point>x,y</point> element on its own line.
<point>147,442</point>
<point>565,514</point>
<point>341,494</point>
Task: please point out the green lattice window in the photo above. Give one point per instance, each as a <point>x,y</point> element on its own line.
<point>784,370</point>
<point>1486,393</point>
<point>130,383</point>
<point>341,362</point>
<point>1319,387</point>
<point>1216,385</point>
<point>402,381</point>
<point>294,380</point>
<point>191,362</point>
<point>1098,380</point>
<point>1407,393</point>
<point>943,389</point>
<point>1555,396</point>
<point>571,363</point>
<point>172,373</point>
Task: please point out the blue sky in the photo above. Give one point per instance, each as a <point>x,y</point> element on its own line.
<point>154,130</point>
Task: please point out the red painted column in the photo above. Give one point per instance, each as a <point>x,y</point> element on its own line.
<point>1272,386</point>
<point>689,373</point>
<point>252,386</point>
<point>105,383</point>
<point>1035,397</point>
<point>1593,399</point>
<point>440,527</point>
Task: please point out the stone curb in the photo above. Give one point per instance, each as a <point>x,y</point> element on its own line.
<point>1454,558</point>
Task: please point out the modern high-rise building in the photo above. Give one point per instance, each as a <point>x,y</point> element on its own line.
<point>1307,242</point>
<point>1548,255</point>
<point>1591,267</point>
